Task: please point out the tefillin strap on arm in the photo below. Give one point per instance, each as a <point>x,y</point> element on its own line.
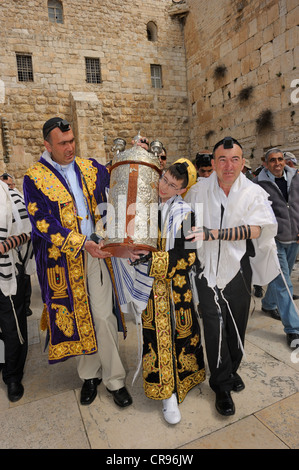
<point>242,232</point>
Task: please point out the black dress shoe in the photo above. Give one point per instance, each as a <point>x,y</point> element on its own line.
<point>238,384</point>
<point>224,403</point>
<point>15,391</point>
<point>258,291</point>
<point>292,337</point>
<point>121,397</point>
<point>89,391</point>
<point>295,297</point>
<point>274,313</point>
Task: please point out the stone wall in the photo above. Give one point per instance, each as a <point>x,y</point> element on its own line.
<point>242,66</point>
<point>120,106</point>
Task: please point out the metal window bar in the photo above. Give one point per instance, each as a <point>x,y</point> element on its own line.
<point>93,70</point>
<point>24,66</point>
<point>55,14</point>
<point>156,76</point>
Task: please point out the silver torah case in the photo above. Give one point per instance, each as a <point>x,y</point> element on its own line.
<point>132,210</point>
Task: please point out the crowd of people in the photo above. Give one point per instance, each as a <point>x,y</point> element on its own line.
<point>223,232</point>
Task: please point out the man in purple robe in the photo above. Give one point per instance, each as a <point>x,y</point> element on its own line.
<point>62,192</point>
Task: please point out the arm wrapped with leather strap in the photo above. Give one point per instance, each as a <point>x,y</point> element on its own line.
<point>14,241</point>
<point>242,232</point>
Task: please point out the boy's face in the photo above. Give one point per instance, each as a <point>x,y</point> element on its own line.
<point>169,187</point>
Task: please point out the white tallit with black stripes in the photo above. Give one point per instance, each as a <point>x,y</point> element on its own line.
<point>13,221</point>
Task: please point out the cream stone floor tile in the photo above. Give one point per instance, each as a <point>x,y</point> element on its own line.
<point>248,433</point>
<point>267,381</point>
<point>42,379</point>
<point>51,423</point>
<point>282,419</point>
<point>272,339</point>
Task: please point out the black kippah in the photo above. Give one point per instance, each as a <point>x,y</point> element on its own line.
<point>50,125</point>
<point>182,167</point>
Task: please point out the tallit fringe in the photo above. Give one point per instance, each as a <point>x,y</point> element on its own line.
<point>237,332</point>
<point>17,323</point>
<point>140,345</point>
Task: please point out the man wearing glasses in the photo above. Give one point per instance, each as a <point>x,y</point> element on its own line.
<point>282,184</point>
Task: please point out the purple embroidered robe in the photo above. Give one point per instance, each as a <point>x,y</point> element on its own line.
<point>58,247</point>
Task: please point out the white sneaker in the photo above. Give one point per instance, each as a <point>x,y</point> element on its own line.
<point>171,410</point>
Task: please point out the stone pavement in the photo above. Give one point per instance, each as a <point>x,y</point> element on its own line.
<point>49,416</point>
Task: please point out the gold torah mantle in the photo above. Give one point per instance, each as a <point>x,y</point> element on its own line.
<point>132,212</point>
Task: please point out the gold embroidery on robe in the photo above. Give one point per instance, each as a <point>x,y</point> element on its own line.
<point>42,226</point>
<point>159,266</point>
<point>188,362</point>
<point>176,297</point>
<point>179,281</point>
<point>191,258</point>
<point>32,208</point>
<point>57,239</point>
<point>57,282</point>
<point>149,361</point>
<point>54,252</point>
<point>148,315</point>
<point>64,319</point>
<point>183,322</point>
<point>188,296</point>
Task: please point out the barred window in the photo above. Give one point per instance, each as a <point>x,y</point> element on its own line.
<point>93,70</point>
<point>24,66</point>
<point>156,76</point>
<point>55,11</point>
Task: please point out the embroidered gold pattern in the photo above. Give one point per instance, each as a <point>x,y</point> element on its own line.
<point>188,296</point>
<point>57,239</point>
<point>188,362</point>
<point>159,266</point>
<point>73,243</point>
<point>32,208</point>
<point>165,387</point>
<point>42,226</point>
<point>181,264</point>
<point>64,319</point>
<point>57,282</point>
<point>148,316</point>
<point>54,252</point>
<point>183,322</point>
<point>149,361</point>
<point>179,281</point>
<point>191,258</point>
<point>176,297</point>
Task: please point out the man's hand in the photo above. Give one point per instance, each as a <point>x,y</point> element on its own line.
<point>135,254</point>
<point>95,249</point>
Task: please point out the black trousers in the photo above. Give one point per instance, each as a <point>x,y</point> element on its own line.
<point>223,350</point>
<point>15,352</point>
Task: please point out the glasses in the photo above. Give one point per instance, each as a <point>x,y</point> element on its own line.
<point>162,157</point>
<point>171,185</point>
<point>279,159</point>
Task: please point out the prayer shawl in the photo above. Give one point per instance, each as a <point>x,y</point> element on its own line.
<point>245,205</point>
<point>13,221</point>
<point>133,284</point>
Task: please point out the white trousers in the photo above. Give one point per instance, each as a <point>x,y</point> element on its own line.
<point>105,364</point>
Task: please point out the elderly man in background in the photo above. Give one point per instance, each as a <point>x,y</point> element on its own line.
<point>282,184</point>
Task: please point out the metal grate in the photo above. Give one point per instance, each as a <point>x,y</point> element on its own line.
<point>93,70</point>
<point>55,11</point>
<point>24,66</point>
<point>156,76</point>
